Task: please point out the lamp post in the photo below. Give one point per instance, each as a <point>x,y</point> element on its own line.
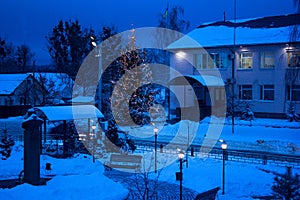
<point>224,147</point>
<point>187,145</point>
<point>94,44</point>
<point>181,161</point>
<point>93,142</point>
<point>155,149</point>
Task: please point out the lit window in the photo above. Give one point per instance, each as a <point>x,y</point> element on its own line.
<point>294,59</point>
<point>210,61</point>
<point>246,60</point>
<point>220,94</point>
<point>245,92</point>
<point>267,92</point>
<point>293,93</point>
<point>219,60</point>
<point>267,60</point>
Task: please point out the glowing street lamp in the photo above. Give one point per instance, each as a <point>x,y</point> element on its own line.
<point>94,44</point>
<point>181,155</point>
<point>224,147</point>
<point>155,148</point>
<point>92,139</point>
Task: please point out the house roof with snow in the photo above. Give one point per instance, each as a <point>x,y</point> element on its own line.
<point>9,82</point>
<point>57,113</point>
<point>267,30</point>
<point>82,100</point>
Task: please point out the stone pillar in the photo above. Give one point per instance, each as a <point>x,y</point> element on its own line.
<point>32,144</point>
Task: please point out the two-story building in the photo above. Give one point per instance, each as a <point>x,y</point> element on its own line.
<point>259,58</point>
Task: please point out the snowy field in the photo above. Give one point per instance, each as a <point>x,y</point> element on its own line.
<point>271,135</point>
<point>79,178</point>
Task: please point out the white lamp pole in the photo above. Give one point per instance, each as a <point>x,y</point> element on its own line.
<point>99,55</point>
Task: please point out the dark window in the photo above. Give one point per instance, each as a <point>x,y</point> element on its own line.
<point>293,93</point>
<point>245,92</point>
<point>267,92</point>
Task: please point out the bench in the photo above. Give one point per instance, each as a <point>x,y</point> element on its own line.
<point>208,195</point>
<point>124,161</point>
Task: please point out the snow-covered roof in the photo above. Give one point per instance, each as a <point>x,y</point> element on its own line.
<point>82,99</point>
<point>57,113</point>
<point>217,36</point>
<point>205,80</point>
<point>9,82</point>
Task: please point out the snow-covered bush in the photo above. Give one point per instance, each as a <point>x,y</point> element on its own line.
<point>291,112</point>
<point>242,109</point>
<point>247,114</point>
<point>6,145</point>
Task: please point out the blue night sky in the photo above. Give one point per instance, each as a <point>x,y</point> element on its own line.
<point>29,21</point>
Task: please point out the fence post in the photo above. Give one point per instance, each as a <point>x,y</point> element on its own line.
<point>161,148</point>
<point>192,151</point>
<point>265,159</point>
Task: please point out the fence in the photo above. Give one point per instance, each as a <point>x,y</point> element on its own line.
<point>246,156</point>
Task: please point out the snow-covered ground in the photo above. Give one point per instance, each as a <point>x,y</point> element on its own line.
<point>271,135</point>
<point>74,178</point>
<point>78,177</point>
<point>242,181</point>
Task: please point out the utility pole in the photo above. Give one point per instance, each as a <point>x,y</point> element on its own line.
<point>233,68</point>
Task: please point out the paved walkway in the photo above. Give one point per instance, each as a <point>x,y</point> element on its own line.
<point>157,190</point>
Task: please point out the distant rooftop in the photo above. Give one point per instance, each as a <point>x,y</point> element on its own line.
<point>9,82</point>
<point>264,22</point>
<point>267,30</point>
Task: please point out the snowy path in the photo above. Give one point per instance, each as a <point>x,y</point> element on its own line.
<point>164,190</point>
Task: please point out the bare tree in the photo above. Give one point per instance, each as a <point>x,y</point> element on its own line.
<point>7,57</point>
<point>146,183</point>
<point>24,56</point>
<point>292,72</point>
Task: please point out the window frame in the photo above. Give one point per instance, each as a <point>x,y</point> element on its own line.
<point>207,61</point>
<point>263,58</point>
<point>264,89</point>
<point>296,56</point>
<point>243,89</point>
<point>243,58</point>
<point>290,92</point>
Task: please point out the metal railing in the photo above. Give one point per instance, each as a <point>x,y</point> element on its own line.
<point>247,156</point>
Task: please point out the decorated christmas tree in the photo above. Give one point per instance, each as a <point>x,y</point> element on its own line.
<point>133,93</point>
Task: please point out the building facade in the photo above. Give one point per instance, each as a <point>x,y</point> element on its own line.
<point>262,64</point>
